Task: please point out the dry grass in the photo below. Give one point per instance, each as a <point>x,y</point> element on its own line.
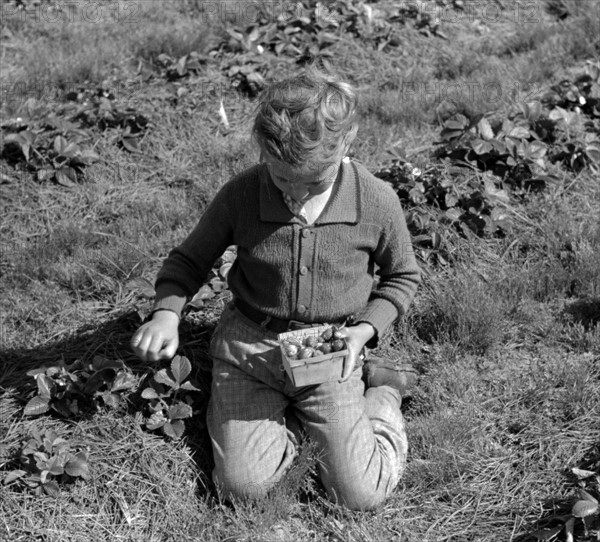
<point>507,339</point>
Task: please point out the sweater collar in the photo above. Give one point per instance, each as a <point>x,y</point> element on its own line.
<point>343,205</point>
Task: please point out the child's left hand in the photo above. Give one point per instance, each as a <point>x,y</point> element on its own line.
<point>356,337</point>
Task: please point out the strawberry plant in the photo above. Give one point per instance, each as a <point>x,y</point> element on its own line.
<point>441,197</point>
<point>98,108</point>
<point>51,149</point>
<point>253,54</point>
<point>44,461</point>
<point>510,149</point>
<point>581,95</point>
<point>574,147</point>
<point>167,403</point>
<point>78,389</point>
<point>176,68</point>
<point>217,285</point>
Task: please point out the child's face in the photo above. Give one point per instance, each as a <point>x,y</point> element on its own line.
<point>302,183</point>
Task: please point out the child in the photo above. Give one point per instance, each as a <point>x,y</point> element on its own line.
<point>309,225</point>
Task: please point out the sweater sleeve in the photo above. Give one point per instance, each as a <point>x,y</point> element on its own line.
<point>186,267</point>
<point>399,274</point>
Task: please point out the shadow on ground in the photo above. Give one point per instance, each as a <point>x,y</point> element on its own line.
<point>551,525</point>
<point>111,340</point>
<point>585,312</point>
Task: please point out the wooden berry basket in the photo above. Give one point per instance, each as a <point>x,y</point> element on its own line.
<point>314,370</point>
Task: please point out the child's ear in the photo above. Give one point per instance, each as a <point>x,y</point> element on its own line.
<point>350,136</point>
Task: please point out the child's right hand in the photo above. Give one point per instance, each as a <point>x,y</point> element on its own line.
<point>157,339</point>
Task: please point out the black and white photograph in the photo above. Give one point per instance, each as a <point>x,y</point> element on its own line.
<point>300,271</point>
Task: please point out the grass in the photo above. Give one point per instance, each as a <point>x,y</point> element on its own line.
<point>507,338</point>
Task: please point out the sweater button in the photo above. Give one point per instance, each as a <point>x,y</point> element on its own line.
<point>301,309</point>
<point>303,270</point>
<point>305,232</point>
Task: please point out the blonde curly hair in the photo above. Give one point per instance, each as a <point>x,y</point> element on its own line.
<point>304,119</point>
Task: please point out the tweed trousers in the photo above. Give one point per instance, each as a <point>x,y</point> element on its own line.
<point>360,437</point>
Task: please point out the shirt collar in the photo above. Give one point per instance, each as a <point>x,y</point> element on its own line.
<point>343,205</point>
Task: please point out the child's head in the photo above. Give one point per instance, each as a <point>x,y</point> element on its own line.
<point>306,121</point>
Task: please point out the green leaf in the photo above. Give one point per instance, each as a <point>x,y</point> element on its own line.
<point>499,147</point>
<point>531,110</point>
<point>563,116</point>
<point>450,200</point>
<point>155,421</point>
<point>100,362</point>
<point>36,406</point>
<point>582,474</point>
<point>70,151</point>
<point>519,132</point>
<point>55,465</point>
<point>89,156</point>
<point>163,378</point>
<point>485,129</point>
<point>78,466</point>
<point>51,488</point>
<point>49,437</point>
<point>150,393</point>
<point>181,368</point>
<point>189,387</point>
<point>124,381</point>
<point>480,146</point>
<point>45,386</point>
<point>546,535</point>
<point>112,400</point>
<point>66,176</point>
<point>143,286</point>
<point>593,151</point>
<point>174,429</point>
<point>453,214</point>
<point>180,411</point>
<point>584,495</point>
<point>494,193</point>
<point>45,173</point>
<point>458,122</point>
<point>13,475</point>
<point>130,144</point>
<point>582,509</point>
<point>60,144</point>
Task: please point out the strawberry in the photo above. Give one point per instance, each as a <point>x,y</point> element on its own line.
<point>327,334</point>
<point>291,350</point>
<point>306,352</point>
<point>310,341</point>
<point>338,345</point>
<point>325,348</point>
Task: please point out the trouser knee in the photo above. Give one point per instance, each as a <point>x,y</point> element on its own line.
<point>240,487</point>
<point>359,499</point>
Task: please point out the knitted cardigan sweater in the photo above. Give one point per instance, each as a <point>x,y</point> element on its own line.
<point>287,269</point>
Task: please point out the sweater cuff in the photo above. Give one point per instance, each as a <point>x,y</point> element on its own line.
<point>169,296</point>
<point>380,313</point>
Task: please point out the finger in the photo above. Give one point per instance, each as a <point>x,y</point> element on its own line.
<point>140,347</point>
<point>348,367</point>
<point>155,347</point>
<point>136,339</point>
<point>169,349</point>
